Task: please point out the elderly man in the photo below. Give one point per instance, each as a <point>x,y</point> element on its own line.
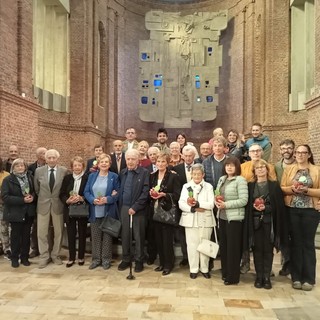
<point>130,142</point>
<point>118,161</point>
<point>133,199</point>
<point>40,162</point>
<point>205,152</point>
<point>47,184</point>
<point>184,172</point>
<point>13,155</point>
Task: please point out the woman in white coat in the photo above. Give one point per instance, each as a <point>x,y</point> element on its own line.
<point>196,203</point>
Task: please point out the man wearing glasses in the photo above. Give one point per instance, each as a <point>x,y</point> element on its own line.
<point>130,142</point>
<point>287,158</point>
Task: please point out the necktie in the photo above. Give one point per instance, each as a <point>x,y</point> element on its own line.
<point>188,168</point>
<point>51,179</point>
<point>118,162</point>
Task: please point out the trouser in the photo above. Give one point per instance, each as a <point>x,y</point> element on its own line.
<point>74,226</point>
<point>303,227</point>
<point>20,239</point>
<point>101,243</point>
<point>263,250</point>
<point>138,231</point>
<point>164,239</point>
<point>150,235</point>
<point>230,237</point>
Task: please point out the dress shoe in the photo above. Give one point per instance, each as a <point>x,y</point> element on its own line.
<point>183,262</point>
<point>14,263</point>
<point>26,263</point>
<point>57,261</point>
<point>206,275</point>
<point>69,264</point>
<point>165,272</point>
<point>193,275</point>
<point>229,283</point>
<point>106,265</point>
<point>81,262</point>
<point>138,267</point>
<point>258,283</point>
<point>43,263</point>
<point>94,264</point>
<point>123,265</point>
<point>158,269</point>
<point>150,261</point>
<point>34,254</point>
<point>267,283</point>
<point>285,271</point>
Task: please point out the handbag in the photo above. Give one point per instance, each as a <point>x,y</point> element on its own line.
<point>79,210</point>
<point>209,248</point>
<point>111,226</point>
<point>170,216</point>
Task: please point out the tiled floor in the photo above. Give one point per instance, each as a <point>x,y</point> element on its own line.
<point>78,293</point>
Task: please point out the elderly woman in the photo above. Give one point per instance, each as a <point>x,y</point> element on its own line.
<point>72,193</point>
<point>101,192</point>
<point>196,202</point>
<point>265,214</point>
<point>19,209</point>
<point>175,155</point>
<point>301,186</point>
<point>165,190</point>
<point>234,192</point>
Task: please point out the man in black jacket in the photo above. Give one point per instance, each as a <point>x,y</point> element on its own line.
<point>133,199</point>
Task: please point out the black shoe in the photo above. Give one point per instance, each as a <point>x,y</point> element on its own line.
<point>150,261</point>
<point>69,264</point>
<point>193,275</point>
<point>229,283</point>
<point>258,283</point>
<point>138,267</point>
<point>14,263</point>
<point>123,265</point>
<point>184,262</point>
<point>7,255</point>
<point>106,265</point>
<point>81,262</point>
<point>267,283</point>
<point>206,275</point>
<point>26,263</point>
<point>165,272</point>
<point>158,269</point>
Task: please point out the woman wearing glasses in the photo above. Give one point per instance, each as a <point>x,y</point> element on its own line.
<point>265,221</point>
<point>301,186</point>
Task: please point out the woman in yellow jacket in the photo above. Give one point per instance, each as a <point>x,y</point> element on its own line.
<point>301,186</point>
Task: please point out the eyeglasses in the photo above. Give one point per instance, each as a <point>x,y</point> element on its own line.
<point>286,148</point>
<point>130,132</point>
<point>255,151</point>
<point>301,153</point>
<point>260,167</point>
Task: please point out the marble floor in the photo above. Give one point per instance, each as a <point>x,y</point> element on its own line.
<point>57,292</point>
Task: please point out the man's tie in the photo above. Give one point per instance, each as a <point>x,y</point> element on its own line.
<point>118,162</point>
<point>51,179</point>
<point>188,167</point>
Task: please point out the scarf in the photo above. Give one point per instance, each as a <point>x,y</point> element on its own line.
<point>77,181</point>
<point>23,181</point>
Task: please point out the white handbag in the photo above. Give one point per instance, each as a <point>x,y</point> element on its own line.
<point>209,248</point>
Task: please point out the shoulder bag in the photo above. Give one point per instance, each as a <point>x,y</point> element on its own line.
<point>111,226</point>
<point>79,210</point>
<point>170,216</point>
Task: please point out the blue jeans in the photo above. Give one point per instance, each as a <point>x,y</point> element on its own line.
<point>303,227</point>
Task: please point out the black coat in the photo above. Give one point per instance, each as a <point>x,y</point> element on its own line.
<point>280,224</point>
<point>15,209</point>
<point>66,187</point>
<point>113,167</point>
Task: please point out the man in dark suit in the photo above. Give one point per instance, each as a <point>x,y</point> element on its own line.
<point>133,199</point>
<point>40,162</point>
<point>184,172</point>
<point>118,160</point>
<point>98,149</point>
<point>47,184</point>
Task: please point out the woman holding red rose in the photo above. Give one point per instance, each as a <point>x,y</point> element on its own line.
<point>265,221</point>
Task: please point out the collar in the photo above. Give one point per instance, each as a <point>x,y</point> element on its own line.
<point>224,156</point>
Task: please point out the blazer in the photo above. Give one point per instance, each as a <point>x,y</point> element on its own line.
<point>181,171</point>
<point>66,187</point>
<point>111,206</point>
<point>49,202</point>
<point>205,197</point>
<point>15,209</point>
<point>125,145</point>
<point>114,167</point>
<point>140,191</point>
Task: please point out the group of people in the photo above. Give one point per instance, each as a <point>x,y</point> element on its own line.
<point>256,206</point>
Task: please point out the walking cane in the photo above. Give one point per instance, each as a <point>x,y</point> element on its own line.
<point>130,276</point>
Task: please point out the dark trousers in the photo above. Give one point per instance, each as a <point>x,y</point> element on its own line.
<point>20,239</point>
<point>138,230</point>
<point>72,231</point>
<point>183,242</point>
<point>34,236</point>
<point>164,239</point>
<point>285,249</point>
<point>230,235</point>
<point>151,238</point>
<point>303,227</point>
<point>263,250</point>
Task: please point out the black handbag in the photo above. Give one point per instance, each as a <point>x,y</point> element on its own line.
<point>79,210</point>
<point>111,226</point>
<point>170,216</point>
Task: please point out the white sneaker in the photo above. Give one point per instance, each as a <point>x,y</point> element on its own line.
<point>307,286</point>
<point>296,285</point>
